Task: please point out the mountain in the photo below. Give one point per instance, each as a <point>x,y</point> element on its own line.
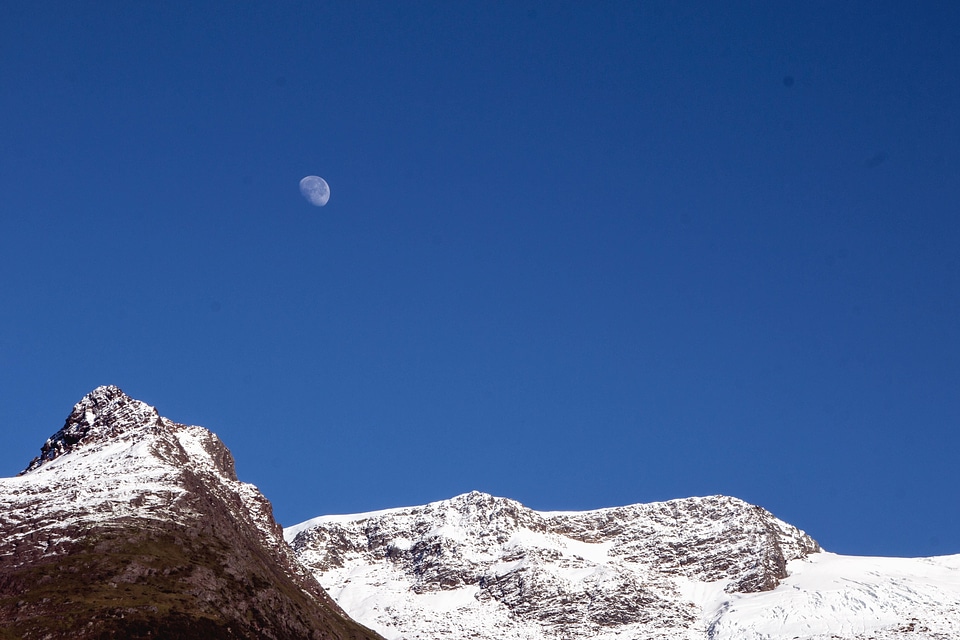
<point>713,568</point>
<point>129,525</point>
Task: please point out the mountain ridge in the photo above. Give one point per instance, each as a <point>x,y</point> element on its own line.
<point>131,525</point>
<point>704,568</point>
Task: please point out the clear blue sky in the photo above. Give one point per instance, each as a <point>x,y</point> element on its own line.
<point>577,256</point>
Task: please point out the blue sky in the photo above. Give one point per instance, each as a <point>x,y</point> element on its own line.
<point>579,256</point>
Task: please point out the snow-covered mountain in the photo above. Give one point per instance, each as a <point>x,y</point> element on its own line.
<point>129,525</point>
<point>712,568</point>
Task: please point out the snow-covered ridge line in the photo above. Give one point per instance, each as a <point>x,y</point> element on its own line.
<point>477,566</point>
<point>291,532</point>
<point>709,568</point>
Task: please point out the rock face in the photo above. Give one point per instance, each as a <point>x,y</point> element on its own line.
<point>484,567</point>
<point>712,568</point>
<point>129,525</point>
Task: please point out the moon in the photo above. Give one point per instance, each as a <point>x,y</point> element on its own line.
<point>316,190</point>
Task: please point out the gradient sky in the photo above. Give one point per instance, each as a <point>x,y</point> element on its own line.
<point>575,255</point>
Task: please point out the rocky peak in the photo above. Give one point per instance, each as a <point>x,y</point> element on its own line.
<point>139,529</point>
<point>106,412</point>
<point>477,510</point>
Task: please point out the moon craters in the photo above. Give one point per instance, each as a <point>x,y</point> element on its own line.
<point>316,190</point>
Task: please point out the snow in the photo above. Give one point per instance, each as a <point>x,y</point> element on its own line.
<point>476,538</point>
<point>115,479</point>
<point>402,544</point>
<point>192,439</point>
<point>289,533</point>
<point>130,465</point>
<point>847,595</point>
<point>536,560</point>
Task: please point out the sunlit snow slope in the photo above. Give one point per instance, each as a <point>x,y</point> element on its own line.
<point>712,568</point>
<point>833,596</point>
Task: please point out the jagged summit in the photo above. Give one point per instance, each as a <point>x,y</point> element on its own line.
<point>106,412</point>
<point>130,525</point>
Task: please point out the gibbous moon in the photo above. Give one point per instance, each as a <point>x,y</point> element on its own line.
<point>316,190</point>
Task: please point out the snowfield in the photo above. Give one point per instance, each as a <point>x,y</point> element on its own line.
<point>829,596</point>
